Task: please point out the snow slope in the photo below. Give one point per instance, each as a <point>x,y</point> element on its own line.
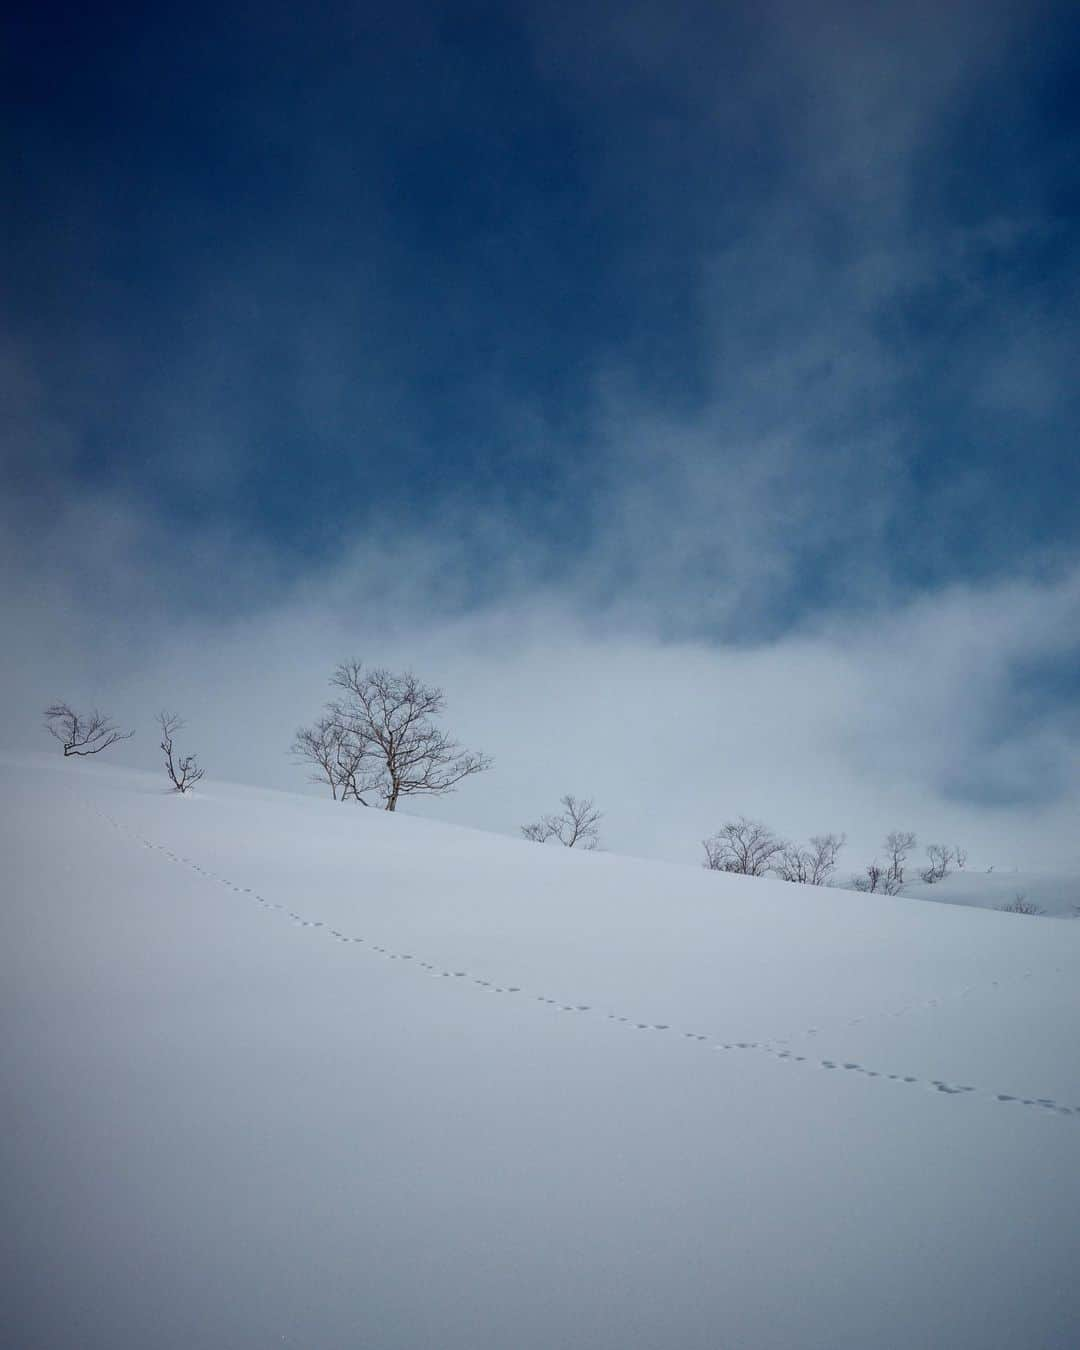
<point>1056,893</point>
<point>285,1072</point>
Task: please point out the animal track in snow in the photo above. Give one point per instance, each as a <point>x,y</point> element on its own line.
<point>775,1049</point>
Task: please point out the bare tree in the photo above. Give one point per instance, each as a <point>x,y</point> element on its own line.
<point>577,825</point>
<point>341,758</point>
<point>744,846</point>
<point>939,859</point>
<point>960,855</point>
<point>82,734</point>
<point>812,866</point>
<point>898,844</point>
<point>379,740</point>
<point>184,772</point>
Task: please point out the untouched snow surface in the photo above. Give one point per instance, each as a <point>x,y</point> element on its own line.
<point>284,1072</point>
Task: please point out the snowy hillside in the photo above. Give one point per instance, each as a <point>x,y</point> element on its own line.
<point>285,1072</point>
<point>1052,894</point>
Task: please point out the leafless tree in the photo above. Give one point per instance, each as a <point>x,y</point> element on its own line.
<point>1021,905</point>
<point>960,854</point>
<point>82,734</point>
<point>341,758</point>
<point>744,846</point>
<point>812,866</point>
<point>184,772</point>
<point>939,859</point>
<point>379,740</point>
<point>898,844</point>
<point>576,825</point>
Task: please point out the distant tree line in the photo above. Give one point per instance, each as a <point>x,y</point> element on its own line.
<point>378,741</point>
<point>751,848</point>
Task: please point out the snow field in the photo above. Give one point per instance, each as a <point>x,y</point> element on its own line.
<point>286,1072</point>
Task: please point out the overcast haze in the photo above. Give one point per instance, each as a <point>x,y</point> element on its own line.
<point>689,390</point>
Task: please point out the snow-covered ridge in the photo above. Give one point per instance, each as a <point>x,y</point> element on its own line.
<point>288,1071</point>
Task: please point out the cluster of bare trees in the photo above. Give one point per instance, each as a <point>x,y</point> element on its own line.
<point>90,733</point>
<point>751,848</point>
<point>1020,904</point>
<point>813,865</point>
<point>377,741</point>
<point>577,825</point>
<point>940,861</point>
<point>887,878</point>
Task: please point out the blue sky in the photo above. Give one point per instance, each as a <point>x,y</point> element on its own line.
<point>716,324</point>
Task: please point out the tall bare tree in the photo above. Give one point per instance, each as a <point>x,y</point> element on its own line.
<point>82,733</point>
<point>183,771</point>
<point>813,866</point>
<point>898,844</point>
<point>575,826</point>
<point>379,740</point>
<point>744,846</point>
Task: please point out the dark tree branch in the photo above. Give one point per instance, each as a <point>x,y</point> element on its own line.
<point>81,734</point>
